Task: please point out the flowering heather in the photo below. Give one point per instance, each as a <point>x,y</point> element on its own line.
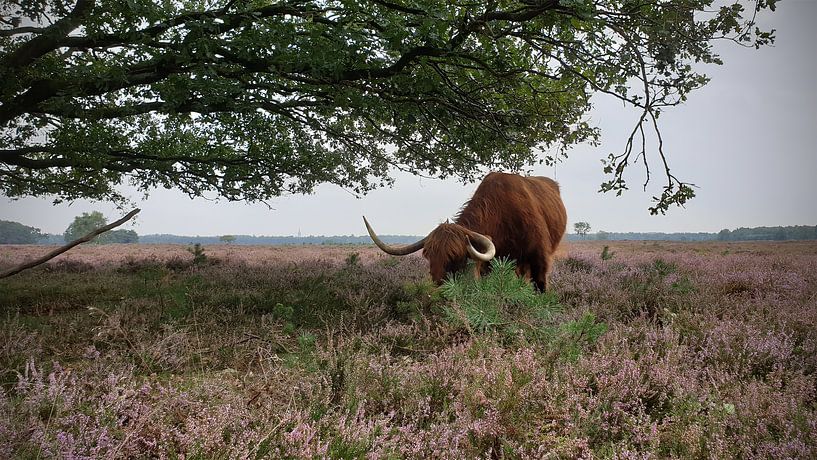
<point>665,350</point>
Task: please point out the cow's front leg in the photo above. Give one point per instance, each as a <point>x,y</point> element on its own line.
<point>540,272</point>
<point>523,271</point>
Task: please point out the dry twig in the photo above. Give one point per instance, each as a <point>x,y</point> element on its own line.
<point>60,250</point>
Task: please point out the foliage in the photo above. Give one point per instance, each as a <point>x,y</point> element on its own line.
<point>575,335</point>
<point>779,233</point>
<point>227,238</point>
<point>85,224</point>
<point>797,232</point>
<point>606,254</point>
<point>17,233</point>
<point>120,236</point>
<point>252,100</point>
<point>199,257</point>
<point>499,300</point>
<point>88,222</point>
<point>581,228</point>
<point>352,259</point>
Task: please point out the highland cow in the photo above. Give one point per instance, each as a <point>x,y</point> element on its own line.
<point>521,218</point>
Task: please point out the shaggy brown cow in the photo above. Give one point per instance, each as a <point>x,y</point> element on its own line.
<point>522,218</point>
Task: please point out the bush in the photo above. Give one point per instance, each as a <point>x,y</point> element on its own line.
<point>574,335</point>
<point>578,265</point>
<point>352,259</point>
<point>199,257</point>
<point>499,301</point>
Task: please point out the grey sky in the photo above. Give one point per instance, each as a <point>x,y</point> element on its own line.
<point>747,140</point>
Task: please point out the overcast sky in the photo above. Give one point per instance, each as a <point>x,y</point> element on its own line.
<point>747,140</point>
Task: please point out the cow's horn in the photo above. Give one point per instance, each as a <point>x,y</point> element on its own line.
<point>393,250</point>
<point>483,240</point>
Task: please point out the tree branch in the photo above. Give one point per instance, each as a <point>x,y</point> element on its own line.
<point>50,38</point>
<point>68,246</point>
<point>228,22</point>
<point>21,30</point>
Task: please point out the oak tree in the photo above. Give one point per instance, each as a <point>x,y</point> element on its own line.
<point>89,222</point>
<point>251,99</point>
<point>581,228</point>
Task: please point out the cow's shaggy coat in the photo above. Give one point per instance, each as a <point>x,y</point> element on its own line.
<point>524,217</point>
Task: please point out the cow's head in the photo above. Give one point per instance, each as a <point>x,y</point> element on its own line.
<point>447,248</point>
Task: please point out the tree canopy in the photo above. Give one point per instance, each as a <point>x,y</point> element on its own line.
<point>253,99</point>
<point>84,224</point>
<point>17,233</point>
<point>88,222</point>
<point>581,228</point>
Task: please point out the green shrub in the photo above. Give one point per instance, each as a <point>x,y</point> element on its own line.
<point>576,265</point>
<point>663,268</point>
<point>573,336</point>
<point>352,259</point>
<point>307,341</point>
<point>498,301</point>
<point>390,261</point>
<point>198,254</point>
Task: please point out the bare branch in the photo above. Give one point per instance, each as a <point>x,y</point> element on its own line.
<point>21,30</point>
<point>68,246</point>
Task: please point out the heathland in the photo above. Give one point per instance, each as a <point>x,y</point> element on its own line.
<point>640,350</point>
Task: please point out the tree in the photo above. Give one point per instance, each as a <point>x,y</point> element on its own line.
<point>83,239</point>
<point>251,100</point>
<point>227,238</point>
<point>88,222</point>
<point>85,224</point>
<point>17,233</point>
<point>120,236</point>
<point>581,228</point>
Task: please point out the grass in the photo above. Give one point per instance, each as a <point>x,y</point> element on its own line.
<point>664,350</point>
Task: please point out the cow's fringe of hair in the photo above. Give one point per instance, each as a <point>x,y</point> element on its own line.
<point>446,242</point>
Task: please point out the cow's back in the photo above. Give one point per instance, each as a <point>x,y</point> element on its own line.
<point>551,206</point>
<point>518,213</point>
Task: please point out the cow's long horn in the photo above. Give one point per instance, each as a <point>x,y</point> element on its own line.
<point>393,250</point>
<point>483,240</point>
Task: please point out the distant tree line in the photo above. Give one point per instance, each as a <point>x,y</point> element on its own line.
<point>643,236</point>
<point>797,232</point>
<point>17,233</point>
<point>273,240</point>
